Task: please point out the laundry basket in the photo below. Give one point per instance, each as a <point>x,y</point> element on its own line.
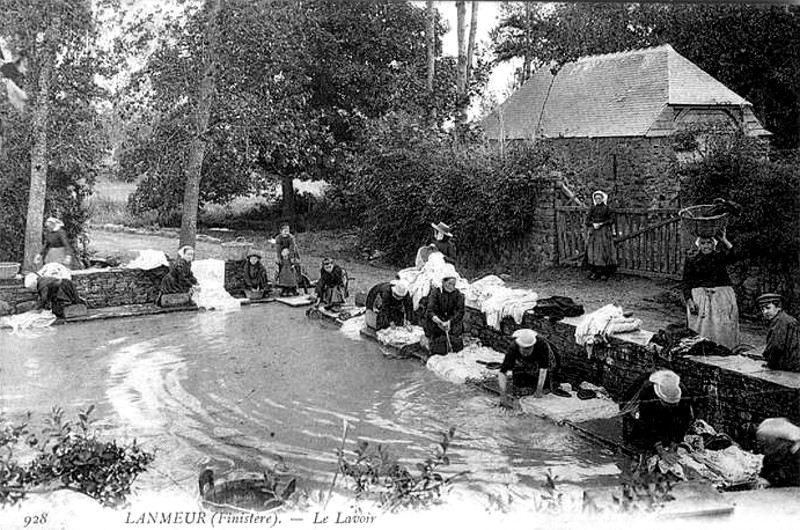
<point>8,270</point>
<point>699,223</point>
<point>236,250</point>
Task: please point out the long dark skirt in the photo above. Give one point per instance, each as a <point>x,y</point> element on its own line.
<point>600,253</point>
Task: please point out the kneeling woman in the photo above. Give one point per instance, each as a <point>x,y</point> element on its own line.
<point>53,293</point>
<point>331,287</point>
<point>528,360</point>
<point>444,318</point>
<point>179,279</point>
<point>388,303</point>
<point>255,274</point>
<point>656,414</point>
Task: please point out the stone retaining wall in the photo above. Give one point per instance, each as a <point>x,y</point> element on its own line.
<point>731,401</point>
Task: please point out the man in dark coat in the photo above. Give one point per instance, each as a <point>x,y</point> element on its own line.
<point>783,338</point>
<point>444,318</point>
<point>389,303</point>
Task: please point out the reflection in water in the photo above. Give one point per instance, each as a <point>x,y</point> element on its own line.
<point>265,385</point>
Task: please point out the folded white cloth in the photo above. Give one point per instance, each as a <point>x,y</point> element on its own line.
<point>210,274</point>
<point>457,367</point>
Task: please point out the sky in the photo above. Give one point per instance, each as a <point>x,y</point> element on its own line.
<point>488,12</point>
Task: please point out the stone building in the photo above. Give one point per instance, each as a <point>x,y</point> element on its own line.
<point>623,120</point>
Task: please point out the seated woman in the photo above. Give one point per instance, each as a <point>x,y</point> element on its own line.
<point>331,287</point>
<point>53,293</point>
<point>255,275</point>
<point>443,242</point>
<point>656,414</point>
<point>388,303</point>
<point>780,441</point>
<point>527,360</point>
<point>711,308</point>
<point>444,318</point>
<point>179,279</point>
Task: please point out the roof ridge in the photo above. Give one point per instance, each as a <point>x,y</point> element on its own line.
<point>615,55</point>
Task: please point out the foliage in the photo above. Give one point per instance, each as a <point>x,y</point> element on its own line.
<point>71,454</point>
<point>63,34</point>
<point>378,475</point>
<point>754,49</point>
<point>299,81</point>
<point>736,168</point>
<point>408,175</point>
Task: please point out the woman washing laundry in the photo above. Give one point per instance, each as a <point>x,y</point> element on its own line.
<point>601,256</point>
<point>711,308</point>
<point>255,274</point>
<point>331,289</point>
<point>444,318</point>
<point>656,413</point>
<point>388,303</point>
<point>55,292</point>
<point>57,248</point>
<point>780,441</point>
<point>180,279</point>
<point>527,361</point>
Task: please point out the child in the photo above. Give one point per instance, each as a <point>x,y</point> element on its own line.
<point>286,278</point>
<point>255,275</point>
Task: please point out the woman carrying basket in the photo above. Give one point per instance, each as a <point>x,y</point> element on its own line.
<point>711,306</point>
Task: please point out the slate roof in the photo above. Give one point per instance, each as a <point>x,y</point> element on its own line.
<point>619,94</point>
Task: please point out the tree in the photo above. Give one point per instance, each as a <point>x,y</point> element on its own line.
<point>59,136</point>
<point>202,111</point>
<point>430,45</point>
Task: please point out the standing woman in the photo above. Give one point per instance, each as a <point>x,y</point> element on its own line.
<point>443,241</point>
<point>600,253</point>
<point>710,300</point>
<point>56,244</point>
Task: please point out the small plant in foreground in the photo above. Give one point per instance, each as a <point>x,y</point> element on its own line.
<point>377,474</point>
<point>68,455</point>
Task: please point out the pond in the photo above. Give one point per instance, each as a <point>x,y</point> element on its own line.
<point>263,385</point>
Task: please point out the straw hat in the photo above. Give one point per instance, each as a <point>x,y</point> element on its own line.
<point>399,288</point>
<point>524,337</point>
<point>666,384</point>
<point>443,228</point>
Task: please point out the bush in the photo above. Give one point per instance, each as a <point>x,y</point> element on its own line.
<point>71,456</point>
<point>409,176</point>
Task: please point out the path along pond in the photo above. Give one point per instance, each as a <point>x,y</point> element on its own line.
<point>250,388</point>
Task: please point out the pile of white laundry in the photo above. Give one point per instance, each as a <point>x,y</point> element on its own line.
<point>430,275</point>
<point>210,274</point>
<point>607,320</point>
<point>148,259</point>
<point>458,367</point>
<point>497,301</point>
<point>400,336</point>
<point>28,320</point>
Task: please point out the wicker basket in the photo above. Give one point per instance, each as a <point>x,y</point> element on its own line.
<point>8,270</point>
<point>700,224</point>
<point>236,250</point>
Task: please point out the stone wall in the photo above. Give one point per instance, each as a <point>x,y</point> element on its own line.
<point>635,172</point>
<point>113,287</point>
<point>732,401</point>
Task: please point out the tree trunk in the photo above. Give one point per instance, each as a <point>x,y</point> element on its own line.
<point>35,217</point>
<point>473,29</point>
<point>430,43</point>
<point>461,91</point>
<point>287,188</point>
<point>191,194</point>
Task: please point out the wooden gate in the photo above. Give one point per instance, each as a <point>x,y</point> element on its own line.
<point>648,241</point>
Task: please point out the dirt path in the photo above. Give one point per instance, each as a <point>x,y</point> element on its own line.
<point>653,301</point>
